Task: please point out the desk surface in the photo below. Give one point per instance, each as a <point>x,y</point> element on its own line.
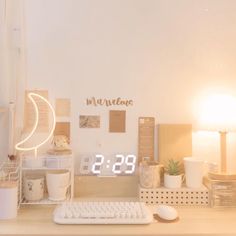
<point>37,220</point>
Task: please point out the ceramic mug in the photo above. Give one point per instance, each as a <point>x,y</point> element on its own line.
<point>150,174</point>
<point>58,182</point>
<point>33,188</point>
<point>194,171</point>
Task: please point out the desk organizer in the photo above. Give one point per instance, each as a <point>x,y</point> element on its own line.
<point>177,197</point>
<point>9,191</point>
<point>39,166</point>
<point>222,192</point>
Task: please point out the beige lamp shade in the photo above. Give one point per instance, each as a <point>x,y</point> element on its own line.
<point>218,113</point>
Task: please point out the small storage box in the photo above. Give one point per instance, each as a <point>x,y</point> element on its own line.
<point>178,197</point>
<point>222,192</point>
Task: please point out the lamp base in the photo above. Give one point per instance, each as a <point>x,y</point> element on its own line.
<point>222,176</point>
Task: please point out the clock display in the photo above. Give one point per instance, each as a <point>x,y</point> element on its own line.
<point>99,164</point>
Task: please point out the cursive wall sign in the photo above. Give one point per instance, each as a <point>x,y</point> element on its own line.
<point>108,102</point>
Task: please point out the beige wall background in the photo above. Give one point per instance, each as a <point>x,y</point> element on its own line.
<point>163,54</point>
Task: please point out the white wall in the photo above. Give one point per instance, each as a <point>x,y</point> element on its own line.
<point>163,54</point>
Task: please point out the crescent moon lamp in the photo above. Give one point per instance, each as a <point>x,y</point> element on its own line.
<point>18,146</point>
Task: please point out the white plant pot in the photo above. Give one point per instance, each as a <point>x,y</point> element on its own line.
<point>173,181</point>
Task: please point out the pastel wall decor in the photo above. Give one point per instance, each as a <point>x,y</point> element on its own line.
<point>62,128</point>
<point>89,121</point>
<point>108,102</point>
<point>146,127</point>
<point>117,121</point>
<point>63,107</point>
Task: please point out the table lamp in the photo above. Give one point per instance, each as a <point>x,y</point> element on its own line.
<point>218,113</point>
<point>19,145</point>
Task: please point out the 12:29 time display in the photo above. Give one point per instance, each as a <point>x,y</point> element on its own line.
<point>125,164</point>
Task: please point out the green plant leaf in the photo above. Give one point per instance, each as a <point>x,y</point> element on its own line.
<point>173,167</point>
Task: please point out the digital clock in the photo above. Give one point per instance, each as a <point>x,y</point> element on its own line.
<point>104,165</point>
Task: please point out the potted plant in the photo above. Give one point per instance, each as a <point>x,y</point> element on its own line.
<point>172,176</point>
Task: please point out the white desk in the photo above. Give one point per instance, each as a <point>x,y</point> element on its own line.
<point>37,220</point>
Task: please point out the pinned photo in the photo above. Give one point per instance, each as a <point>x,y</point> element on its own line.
<point>89,121</point>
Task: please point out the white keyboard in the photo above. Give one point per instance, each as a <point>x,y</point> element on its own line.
<point>102,213</point>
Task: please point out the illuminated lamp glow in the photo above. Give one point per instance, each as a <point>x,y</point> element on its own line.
<point>17,146</point>
<point>218,113</point>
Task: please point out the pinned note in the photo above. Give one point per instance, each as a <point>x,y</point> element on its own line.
<point>63,107</point>
<point>117,121</point>
<point>62,128</point>
<point>146,127</point>
<point>89,121</point>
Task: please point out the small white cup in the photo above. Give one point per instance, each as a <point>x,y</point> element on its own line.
<point>194,170</point>
<point>57,184</point>
<point>33,188</point>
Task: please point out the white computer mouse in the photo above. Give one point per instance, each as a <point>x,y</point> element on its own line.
<point>166,212</point>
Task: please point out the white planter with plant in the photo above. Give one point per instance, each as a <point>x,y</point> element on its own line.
<point>172,176</point>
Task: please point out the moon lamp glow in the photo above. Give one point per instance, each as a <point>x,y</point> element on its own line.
<point>18,146</point>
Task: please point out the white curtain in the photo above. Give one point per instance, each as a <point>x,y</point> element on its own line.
<point>3,54</point>
<point>4,81</point>
<point>12,70</point>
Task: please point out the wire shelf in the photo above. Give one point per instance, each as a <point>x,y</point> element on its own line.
<point>41,165</point>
